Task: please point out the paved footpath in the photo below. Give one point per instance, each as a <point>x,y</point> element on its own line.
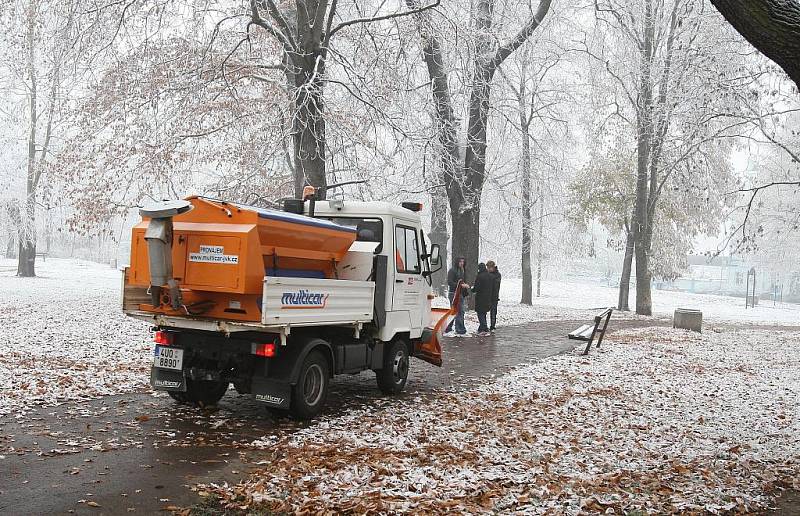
<point>140,453</point>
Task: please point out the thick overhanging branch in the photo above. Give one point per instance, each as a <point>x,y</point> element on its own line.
<point>772,26</point>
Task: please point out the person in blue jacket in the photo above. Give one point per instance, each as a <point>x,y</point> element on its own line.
<point>455,277</point>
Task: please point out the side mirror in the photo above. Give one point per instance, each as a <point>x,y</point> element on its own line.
<point>434,255</point>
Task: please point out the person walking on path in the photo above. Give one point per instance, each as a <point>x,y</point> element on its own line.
<point>495,272</point>
<point>483,289</point>
<point>455,277</point>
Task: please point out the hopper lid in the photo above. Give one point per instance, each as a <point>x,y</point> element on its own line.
<point>165,209</point>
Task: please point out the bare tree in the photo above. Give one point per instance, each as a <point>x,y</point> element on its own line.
<point>535,102</point>
<point>464,176</point>
<point>305,29</point>
<point>39,62</point>
<point>675,100</point>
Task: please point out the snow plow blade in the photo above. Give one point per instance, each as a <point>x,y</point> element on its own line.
<point>430,349</point>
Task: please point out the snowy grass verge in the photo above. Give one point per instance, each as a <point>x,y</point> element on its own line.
<point>661,421</point>
<point>64,337</point>
<point>560,299</point>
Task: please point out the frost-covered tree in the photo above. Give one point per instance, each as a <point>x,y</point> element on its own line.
<point>305,30</point>
<point>212,109</point>
<point>532,100</point>
<point>670,73</point>
<point>44,46</point>
<point>491,43</point>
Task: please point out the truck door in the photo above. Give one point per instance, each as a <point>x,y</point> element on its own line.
<point>409,286</point>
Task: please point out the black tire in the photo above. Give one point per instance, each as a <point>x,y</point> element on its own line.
<point>311,390</point>
<point>394,374</point>
<point>178,396</point>
<point>205,392</point>
<point>277,414</point>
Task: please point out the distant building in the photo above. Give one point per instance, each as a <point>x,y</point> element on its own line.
<point>724,275</point>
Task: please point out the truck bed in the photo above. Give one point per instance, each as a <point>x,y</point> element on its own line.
<point>285,303</point>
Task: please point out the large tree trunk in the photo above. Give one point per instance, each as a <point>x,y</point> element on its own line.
<point>540,245</point>
<point>26,260</point>
<point>644,133</point>
<point>527,279</point>
<point>303,29</point>
<point>465,194</point>
<point>466,234</point>
<point>309,125</point>
<point>465,185</point>
<point>625,279</point>
<point>772,26</point>
<point>438,235</point>
<point>449,160</point>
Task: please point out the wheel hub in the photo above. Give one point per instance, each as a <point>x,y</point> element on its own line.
<point>312,385</point>
<point>400,367</point>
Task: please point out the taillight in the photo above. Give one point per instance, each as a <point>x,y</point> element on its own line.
<point>164,338</point>
<point>264,350</point>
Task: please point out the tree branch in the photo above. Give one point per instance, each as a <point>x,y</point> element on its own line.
<point>380,18</point>
<point>509,47</point>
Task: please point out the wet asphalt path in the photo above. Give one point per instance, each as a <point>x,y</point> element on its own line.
<point>141,453</point>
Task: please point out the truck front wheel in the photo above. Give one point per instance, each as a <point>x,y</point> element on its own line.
<point>311,390</point>
<point>392,377</point>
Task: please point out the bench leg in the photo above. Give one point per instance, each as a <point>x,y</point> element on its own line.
<point>591,339</point>
<point>603,332</point>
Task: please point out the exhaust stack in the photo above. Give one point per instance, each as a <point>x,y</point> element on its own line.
<point>159,247</point>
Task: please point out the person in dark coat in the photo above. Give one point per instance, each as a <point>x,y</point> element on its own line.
<point>483,288</point>
<point>455,277</point>
<point>495,272</point>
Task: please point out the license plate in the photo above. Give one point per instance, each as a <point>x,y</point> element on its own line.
<point>168,358</point>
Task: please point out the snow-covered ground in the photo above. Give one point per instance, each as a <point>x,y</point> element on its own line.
<point>562,299</point>
<point>63,336</point>
<point>660,421</point>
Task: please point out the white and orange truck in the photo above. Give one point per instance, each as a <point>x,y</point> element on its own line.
<point>277,302</point>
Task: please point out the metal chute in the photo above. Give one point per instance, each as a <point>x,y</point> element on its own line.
<point>159,247</point>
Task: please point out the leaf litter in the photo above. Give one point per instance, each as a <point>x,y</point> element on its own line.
<point>658,421</point>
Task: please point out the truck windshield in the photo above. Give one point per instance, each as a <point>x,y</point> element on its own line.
<point>367,229</point>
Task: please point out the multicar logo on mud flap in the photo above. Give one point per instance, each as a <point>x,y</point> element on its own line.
<point>167,384</point>
<point>268,398</point>
<point>213,254</point>
<point>304,299</point>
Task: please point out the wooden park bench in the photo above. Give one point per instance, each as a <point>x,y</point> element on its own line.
<point>588,332</point>
<point>43,256</point>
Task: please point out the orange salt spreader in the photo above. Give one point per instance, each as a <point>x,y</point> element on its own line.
<point>205,257</point>
<point>277,302</point>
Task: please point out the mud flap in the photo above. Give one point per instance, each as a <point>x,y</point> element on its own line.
<point>429,348</point>
<point>167,380</point>
<point>274,393</point>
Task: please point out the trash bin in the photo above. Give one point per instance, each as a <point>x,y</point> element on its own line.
<point>688,319</point>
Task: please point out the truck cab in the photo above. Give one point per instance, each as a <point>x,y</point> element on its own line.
<point>397,231</point>
<point>277,302</point>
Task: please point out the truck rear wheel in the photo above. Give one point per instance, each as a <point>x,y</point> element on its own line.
<point>311,390</point>
<point>178,396</point>
<point>392,378</point>
<point>205,392</point>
